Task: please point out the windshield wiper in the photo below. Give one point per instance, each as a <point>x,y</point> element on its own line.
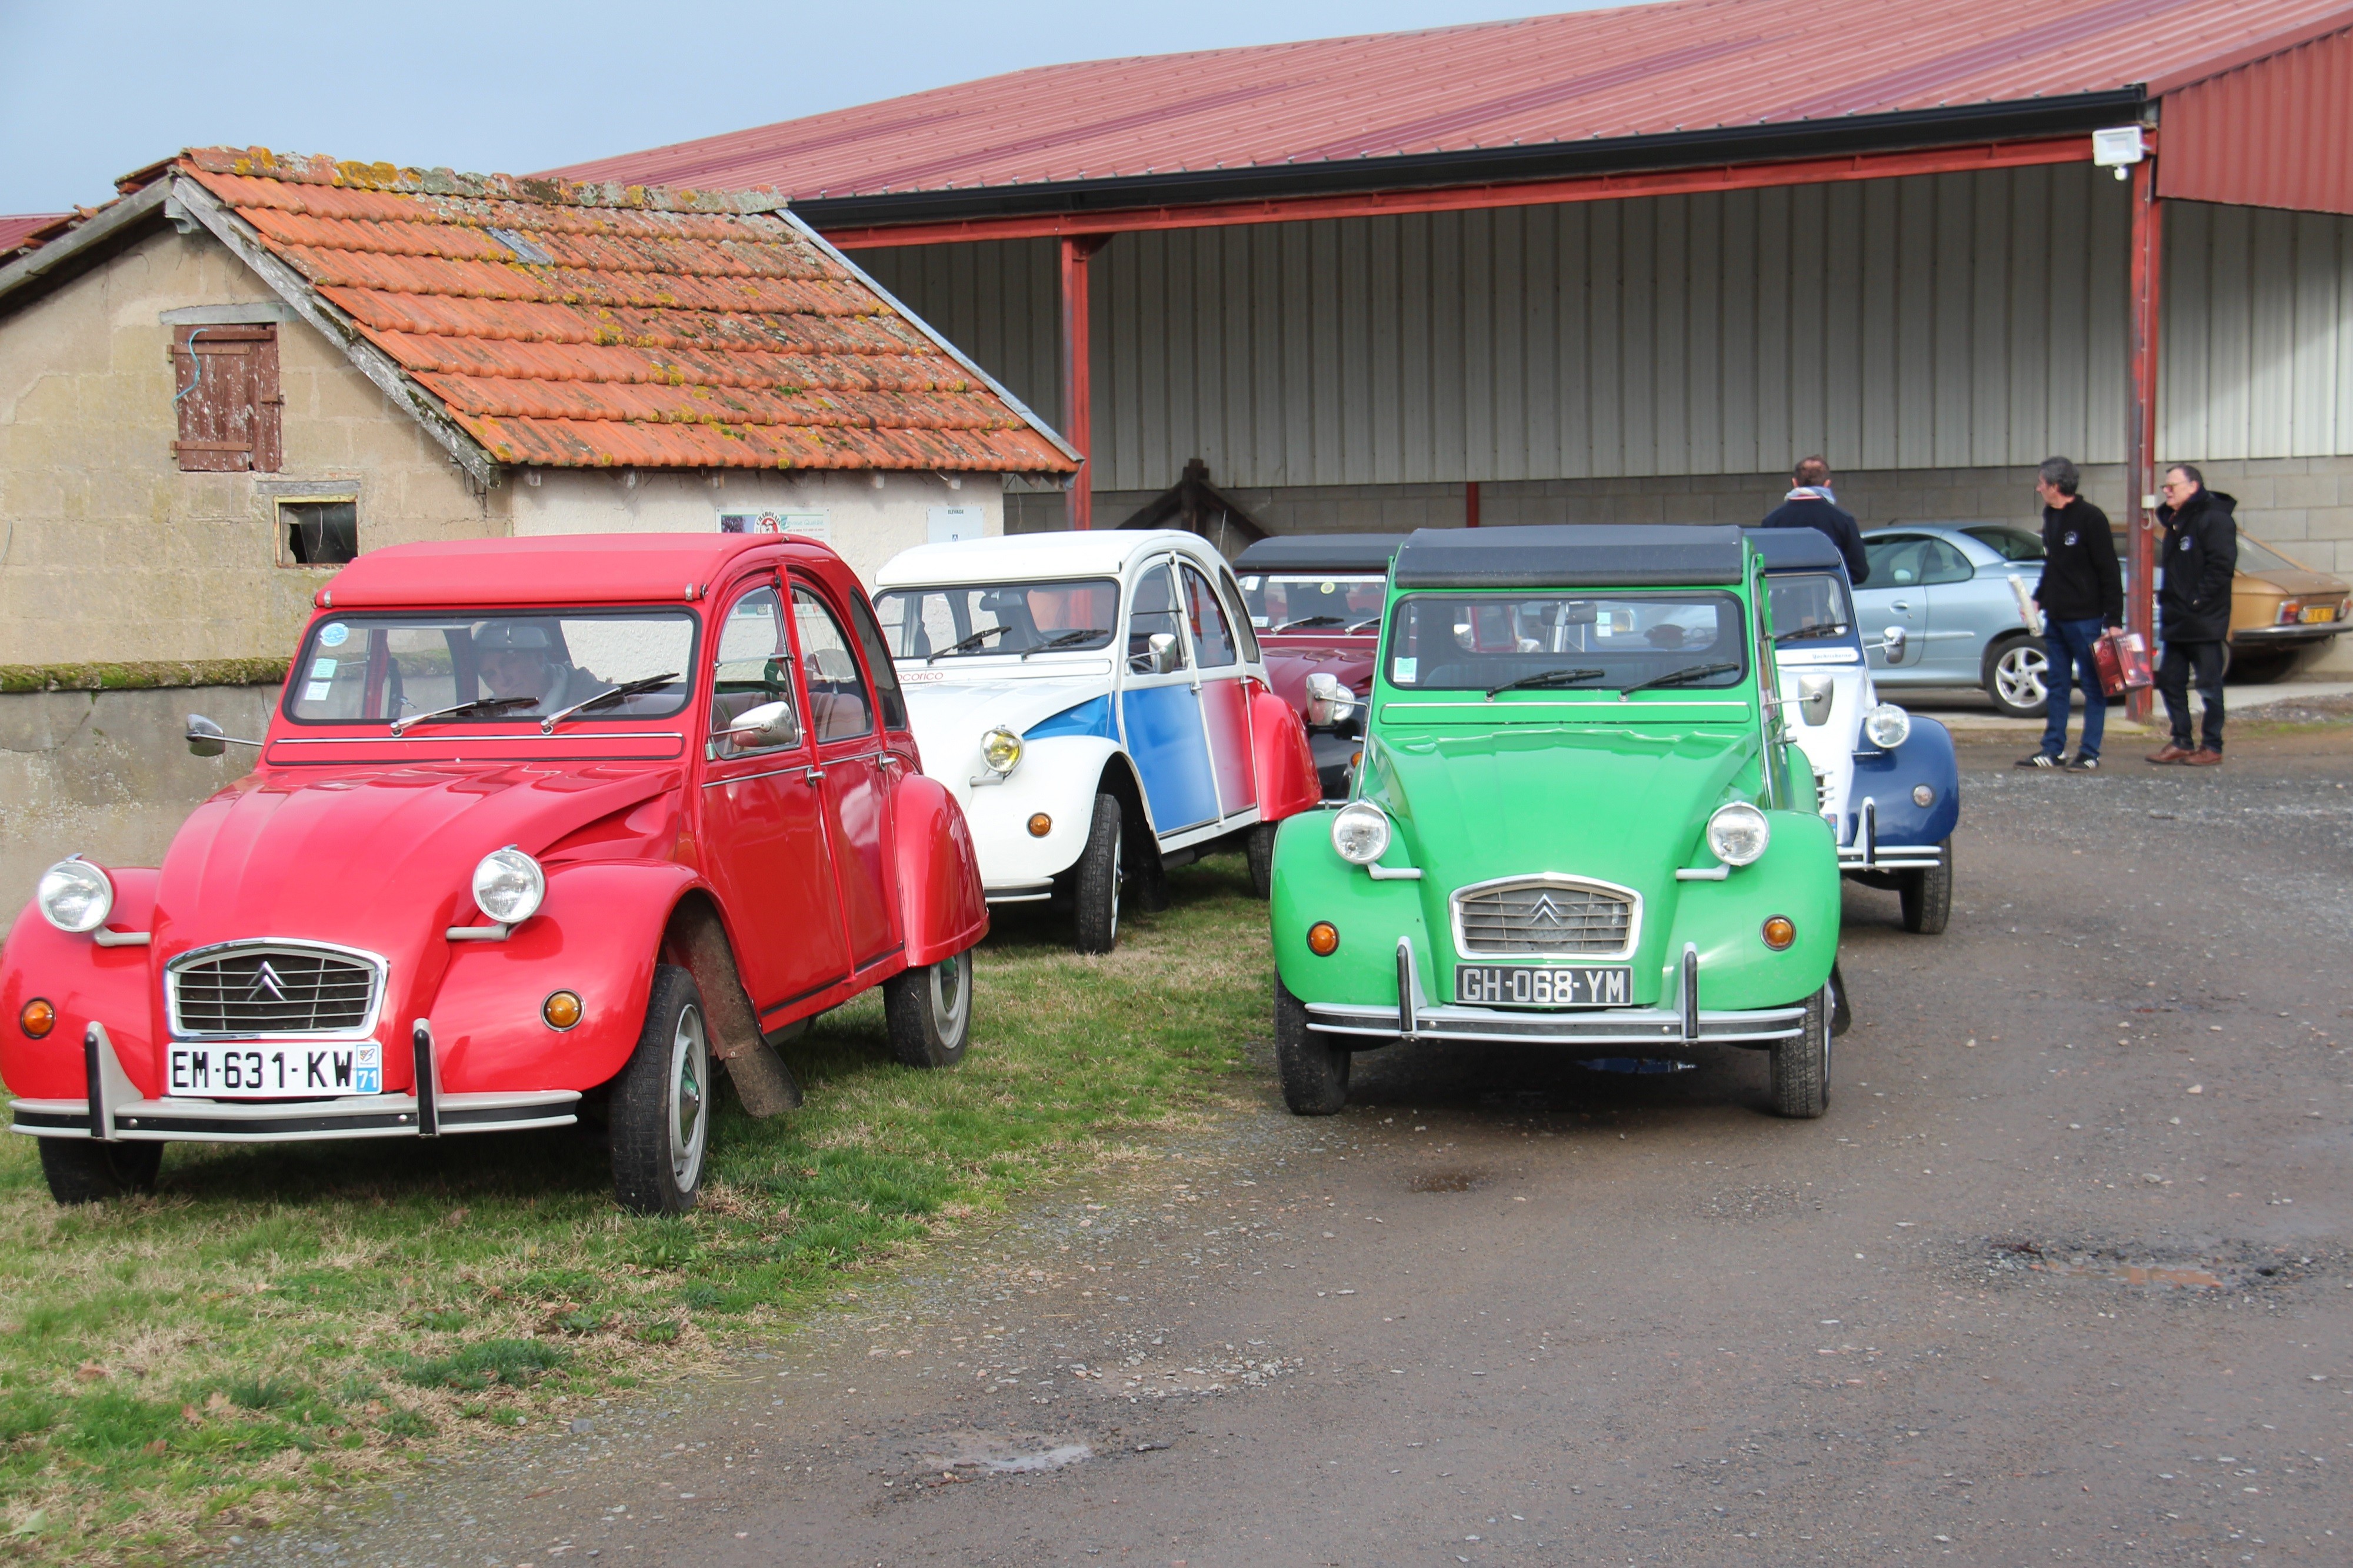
<point>606,699</point>
<point>1308,621</point>
<point>1676,677</point>
<point>1803,634</point>
<point>1067,639</point>
<point>1545,678</point>
<point>478,705</point>
<point>961,644</point>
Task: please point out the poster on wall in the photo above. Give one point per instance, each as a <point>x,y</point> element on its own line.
<point>771,520</point>
<point>950,523</point>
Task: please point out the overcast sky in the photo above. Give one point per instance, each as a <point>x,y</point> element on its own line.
<point>94,89</point>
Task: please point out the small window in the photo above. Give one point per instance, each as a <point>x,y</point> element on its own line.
<point>1211,636</point>
<point>225,395</point>
<point>1233,597</point>
<point>754,667</point>
<point>878,659</point>
<point>837,693</point>
<point>1154,614</point>
<point>318,533</point>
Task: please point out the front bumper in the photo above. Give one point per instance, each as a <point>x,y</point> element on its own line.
<point>2296,634</point>
<point>1870,853</point>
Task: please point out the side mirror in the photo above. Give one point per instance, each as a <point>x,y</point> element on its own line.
<point>1167,657</point>
<point>769,724</point>
<point>1330,705</point>
<point>1891,641</point>
<point>1815,695</point>
<point>205,739</point>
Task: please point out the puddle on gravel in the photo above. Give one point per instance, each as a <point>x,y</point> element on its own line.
<point>2194,1274</point>
<point>1450,1181</point>
<point>978,1453</point>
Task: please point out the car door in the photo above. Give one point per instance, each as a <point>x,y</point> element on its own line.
<point>763,838</point>
<point>1160,706</point>
<point>851,778</point>
<point>1965,605</point>
<point>1224,694</point>
<point>1895,598</point>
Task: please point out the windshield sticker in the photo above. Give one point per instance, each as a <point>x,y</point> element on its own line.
<point>316,691</point>
<point>322,669</point>
<point>1405,668</point>
<point>334,636</point>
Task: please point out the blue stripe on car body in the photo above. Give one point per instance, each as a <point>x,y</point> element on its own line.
<point>1092,716</point>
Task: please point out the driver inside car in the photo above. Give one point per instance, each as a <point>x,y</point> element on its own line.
<point>519,658</point>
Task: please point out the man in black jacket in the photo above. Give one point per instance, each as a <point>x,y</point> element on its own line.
<point>1809,504</point>
<point>2082,593</point>
<point>2197,559</point>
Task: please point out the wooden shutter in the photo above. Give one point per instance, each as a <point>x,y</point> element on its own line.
<point>225,383</point>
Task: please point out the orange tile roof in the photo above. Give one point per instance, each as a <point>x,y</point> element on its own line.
<point>596,325</point>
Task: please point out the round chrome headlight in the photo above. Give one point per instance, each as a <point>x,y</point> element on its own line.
<point>75,896</point>
<point>509,885</point>
<point>1360,832</point>
<point>1001,750</point>
<point>1738,834</point>
<point>1888,726</point>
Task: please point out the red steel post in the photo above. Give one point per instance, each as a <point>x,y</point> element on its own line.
<point>1471,504</point>
<point>1078,382</point>
<point>2140,433</point>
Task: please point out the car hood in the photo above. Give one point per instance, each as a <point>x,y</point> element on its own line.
<point>380,858</point>
<point>950,716</point>
<point>1619,806</point>
<point>1287,669</point>
<point>2294,583</point>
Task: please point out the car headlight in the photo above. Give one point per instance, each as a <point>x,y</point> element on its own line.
<point>1001,750</point>
<point>1360,832</point>
<point>75,896</point>
<point>1738,834</point>
<point>1888,726</point>
<point>509,885</point>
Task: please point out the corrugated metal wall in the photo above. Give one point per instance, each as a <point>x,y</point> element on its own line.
<point>1945,322</point>
<point>2273,134</point>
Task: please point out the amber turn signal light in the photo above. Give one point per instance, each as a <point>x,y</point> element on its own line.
<point>1040,824</point>
<point>1780,933</point>
<point>562,1010</point>
<point>38,1019</point>
<point>1322,939</point>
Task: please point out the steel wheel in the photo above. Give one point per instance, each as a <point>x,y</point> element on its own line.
<point>662,1102</point>
<point>928,1011</point>
<point>690,1119</point>
<point>1102,866</point>
<point>2018,684</point>
<point>952,994</point>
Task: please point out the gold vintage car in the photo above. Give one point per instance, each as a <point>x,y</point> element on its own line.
<point>2278,609</point>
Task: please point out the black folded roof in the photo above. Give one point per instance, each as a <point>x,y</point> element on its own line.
<point>1794,548</point>
<point>1320,552</point>
<point>1554,555</point>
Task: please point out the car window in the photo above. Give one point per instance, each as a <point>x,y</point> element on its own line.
<point>878,659</point>
<point>2255,557</point>
<point>384,667</point>
<point>1895,560</point>
<point>1154,614</point>
<point>1213,637</point>
<point>1594,642</point>
<point>2010,543</point>
<point>1803,602</point>
<point>839,710</point>
<point>1314,601</point>
<point>1943,562</point>
<point>978,620</point>
<point>752,670</point>
<point>1231,591</point>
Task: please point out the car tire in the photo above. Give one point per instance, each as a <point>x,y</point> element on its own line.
<point>1801,1068</point>
<point>2256,669</point>
<point>929,1011</point>
<point>1314,1075</point>
<point>1096,890</point>
<point>2015,677</point>
<point>1261,849</point>
<point>662,1102</point>
<point>85,1170</point>
<point>1927,895</point>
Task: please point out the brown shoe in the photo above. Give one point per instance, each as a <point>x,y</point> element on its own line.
<point>2202,759</point>
<point>2170,753</point>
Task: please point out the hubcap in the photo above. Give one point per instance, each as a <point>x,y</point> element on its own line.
<point>951,994</point>
<point>690,1068</point>
<point>2019,676</point>
<point>1118,875</point>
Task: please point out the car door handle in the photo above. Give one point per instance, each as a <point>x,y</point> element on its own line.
<point>813,774</point>
<point>1901,604</point>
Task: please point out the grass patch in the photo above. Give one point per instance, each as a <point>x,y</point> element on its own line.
<point>284,1316</point>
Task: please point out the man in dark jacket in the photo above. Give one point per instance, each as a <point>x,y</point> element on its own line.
<point>2197,559</point>
<point>2082,593</point>
<point>1809,504</point>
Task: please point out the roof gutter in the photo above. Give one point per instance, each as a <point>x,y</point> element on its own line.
<point>1853,134</point>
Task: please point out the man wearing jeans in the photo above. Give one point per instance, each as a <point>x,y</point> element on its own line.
<point>2082,591</point>
<point>2198,558</point>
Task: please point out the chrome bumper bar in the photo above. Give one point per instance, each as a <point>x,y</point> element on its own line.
<point>116,1112</point>
<point>1867,854</point>
<point>1020,893</point>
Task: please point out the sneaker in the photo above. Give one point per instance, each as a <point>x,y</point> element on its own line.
<point>2170,753</point>
<point>2202,758</point>
<point>2038,760</point>
<point>2080,763</point>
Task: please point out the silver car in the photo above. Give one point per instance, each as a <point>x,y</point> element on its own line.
<point>1946,605</point>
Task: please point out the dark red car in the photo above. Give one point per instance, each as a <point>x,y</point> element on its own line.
<point>1316,601</point>
<point>542,829</point>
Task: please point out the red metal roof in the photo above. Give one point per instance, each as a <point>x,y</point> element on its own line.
<point>16,230</point>
<point>2268,134</point>
<point>1644,70</point>
<point>571,568</point>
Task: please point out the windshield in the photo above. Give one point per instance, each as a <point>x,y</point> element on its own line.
<point>2255,557</point>
<point>1809,602</point>
<point>1316,601</point>
<point>1599,642</point>
<point>976,620</point>
<point>2013,543</point>
<point>506,664</point>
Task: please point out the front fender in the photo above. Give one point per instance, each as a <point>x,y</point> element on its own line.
<point>1312,883</point>
<point>1058,776</point>
<point>84,982</point>
<point>598,933</point>
<point>1888,778</point>
<point>1287,780</point>
<point>941,905</point>
<point>1797,876</point>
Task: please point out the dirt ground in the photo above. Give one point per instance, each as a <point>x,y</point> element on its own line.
<point>2063,1275</point>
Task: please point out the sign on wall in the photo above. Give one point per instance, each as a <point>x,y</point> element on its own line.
<point>950,523</point>
<point>771,520</point>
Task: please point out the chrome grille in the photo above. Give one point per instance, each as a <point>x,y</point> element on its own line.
<point>274,990</point>
<point>1542,916</point>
